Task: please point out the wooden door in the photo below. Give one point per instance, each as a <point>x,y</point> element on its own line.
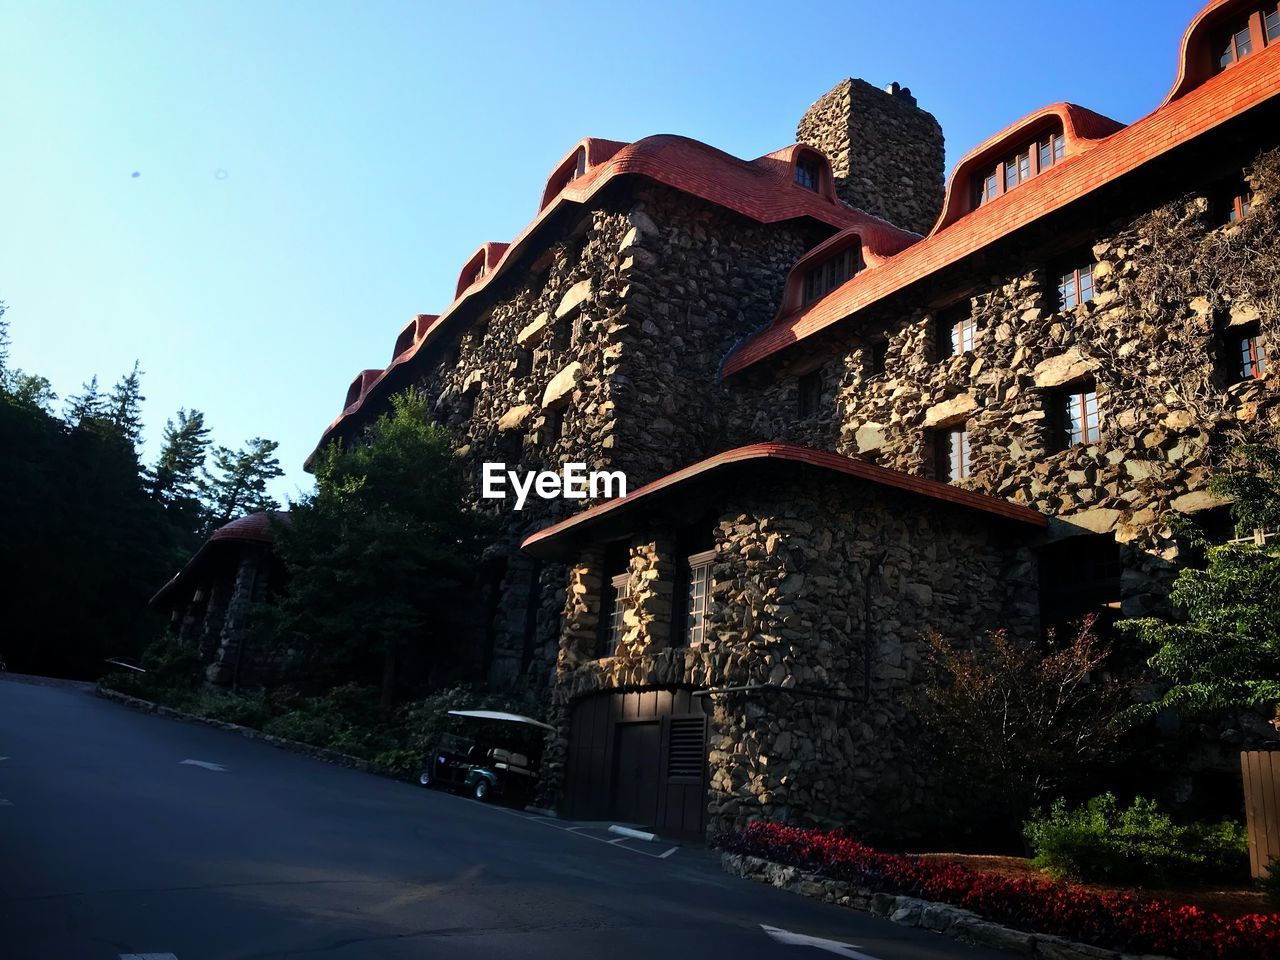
<point>637,760</point>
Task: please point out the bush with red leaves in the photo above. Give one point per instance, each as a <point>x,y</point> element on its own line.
<point>1115,921</point>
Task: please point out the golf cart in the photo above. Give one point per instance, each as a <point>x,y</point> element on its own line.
<point>492,760</point>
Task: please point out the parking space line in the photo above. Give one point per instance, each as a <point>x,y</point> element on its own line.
<point>575,831</point>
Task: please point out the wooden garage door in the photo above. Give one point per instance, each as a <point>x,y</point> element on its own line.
<point>639,758</point>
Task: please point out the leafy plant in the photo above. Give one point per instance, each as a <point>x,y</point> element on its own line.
<point>1224,653</point>
<point>1016,721</point>
<point>1140,845</point>
<point>1270,884</point>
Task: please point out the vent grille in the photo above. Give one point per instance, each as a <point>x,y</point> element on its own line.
<point>686,748</point>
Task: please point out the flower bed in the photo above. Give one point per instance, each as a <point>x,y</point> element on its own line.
<point>1116,921</point>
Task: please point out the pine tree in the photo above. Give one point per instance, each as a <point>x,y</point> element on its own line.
<point>124,406</point>
<point>175,478</point>
<point>4,343</point>
<point>238,483</point>
<point>89,405</point>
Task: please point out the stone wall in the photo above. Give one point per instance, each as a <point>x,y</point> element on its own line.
<point>886,153</point>
<point>606,353</point>
<point>792,608</point>
<point>1169,285</point>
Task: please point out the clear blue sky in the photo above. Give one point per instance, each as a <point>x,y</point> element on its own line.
<point>313,174</point>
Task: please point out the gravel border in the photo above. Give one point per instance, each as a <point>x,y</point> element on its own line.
<point>912,912</point>
<point>294,746</point>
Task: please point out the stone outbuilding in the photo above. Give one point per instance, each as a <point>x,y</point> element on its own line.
<point>208,598</point>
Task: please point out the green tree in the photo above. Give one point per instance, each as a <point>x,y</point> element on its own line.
<point>238,482</point>
<point>378,555</point>
<point>1223,652</point>
<point>88,405</point>
<point>175,478</point>
<point>124,406</point>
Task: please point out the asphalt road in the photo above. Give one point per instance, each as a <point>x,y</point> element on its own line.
<point>111,846</point>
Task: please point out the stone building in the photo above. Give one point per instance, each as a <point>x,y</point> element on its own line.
<point>851,407</point>
<point>208,598</point>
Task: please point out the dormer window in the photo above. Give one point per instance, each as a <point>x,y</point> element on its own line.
<point>580,168</point>
<point>807,174</point>
<point>821,279</point>
<point>1245,35</point>
<point>1024,163</point>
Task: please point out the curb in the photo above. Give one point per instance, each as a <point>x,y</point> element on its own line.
<point>294,746</point>
<point>941,918</point>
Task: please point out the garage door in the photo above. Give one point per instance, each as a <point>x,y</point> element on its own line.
<point>639,758</point>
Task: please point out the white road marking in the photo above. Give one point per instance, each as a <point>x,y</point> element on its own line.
<point>849,950</point>
<point>547,821</point>
<point>148,956</point>
<point>5,803</point>
<point>208,766</point>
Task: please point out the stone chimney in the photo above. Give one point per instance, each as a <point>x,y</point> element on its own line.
<point>886,153</point>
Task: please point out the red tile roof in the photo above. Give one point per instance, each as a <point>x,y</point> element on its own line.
<point>540,543</point>
<point>251,528</point>
<point>763,190</point>
<point>1081,130</point>
<point>1255,80</point>
<point>1197,59</point>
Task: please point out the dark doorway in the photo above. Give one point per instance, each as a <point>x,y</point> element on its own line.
<point>635,772</point>
<point>640,757</point>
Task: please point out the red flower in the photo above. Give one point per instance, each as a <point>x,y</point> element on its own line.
<point>1116,921</point>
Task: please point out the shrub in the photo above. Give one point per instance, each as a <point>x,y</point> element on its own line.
<point>1139,844</point>
<point>1115,921</point>
<point>305,726</point>
<point>245,709</point>
<point>1270,884</point>
<point>401,762</point>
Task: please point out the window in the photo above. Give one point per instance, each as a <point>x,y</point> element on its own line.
<point>613,594</point>
<point>1231,201</point>
<point>1246,34</point>
<point>955,330</point>
<point>1076,416</point>
<point>553,424</point>
<point>1080,576</point>
<point>580,167</point>
<point>1240,204</point>
<point>878,358</point>
<point>809,394</point>
<point>826,276</point>
<point>807,173</point>
<point>522,366</point>
<point>1234,46</point>
<point>620,587</point>
<point>1251,356</point>
<point>951,454</point>
<point>1075,287</point>
<point>699,566</point>
<point>1026,162</point>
